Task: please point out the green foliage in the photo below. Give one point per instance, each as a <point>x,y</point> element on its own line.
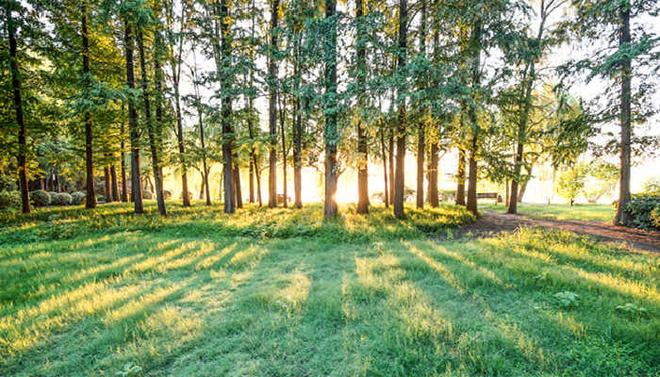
<point>78,197</point>
<point>601,180</point>
<point>571,181</point>
<point>10,200</point>
<point>566,299</point>
<point>643,210</point>
<point>40,198</point>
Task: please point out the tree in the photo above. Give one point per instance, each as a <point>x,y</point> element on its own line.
<point>272,105</point>
<point>571,181</point>
<point>363,160</point>
<point>331,134</point>
<point>399,174</point>
<point>626,56</point>
<point>10,24</point>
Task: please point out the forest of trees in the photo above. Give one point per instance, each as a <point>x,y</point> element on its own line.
<point>109,93</point>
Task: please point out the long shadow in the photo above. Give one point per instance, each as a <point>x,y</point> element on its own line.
<point>120,315</point>
<point>571,329</point>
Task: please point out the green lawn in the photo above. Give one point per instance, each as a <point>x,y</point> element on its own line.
<point>579,212</point>
<point>281,293</point>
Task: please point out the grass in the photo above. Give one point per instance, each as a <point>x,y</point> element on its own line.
<point>578,212</point>
<point>282,293</point>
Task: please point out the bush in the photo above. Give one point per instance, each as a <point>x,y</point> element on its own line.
<point>147,194</point>
<point>10,200</point>
<point>77,197</point>
<point>40,198</point>
<point>644,210</point>
<point>61,199</point>
<point>167,194</point>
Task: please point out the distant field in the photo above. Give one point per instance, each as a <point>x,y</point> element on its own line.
<point>583,212</point>
<point>283,293</point>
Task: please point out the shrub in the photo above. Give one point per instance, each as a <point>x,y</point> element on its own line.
<point>40,198</point>
<point>655,217</point>
<point>147,194</point>
<point>167,194</point>
<point>61,199</point>
<point>642,208</point>
<point>77,197</point>
<point>10,200</point>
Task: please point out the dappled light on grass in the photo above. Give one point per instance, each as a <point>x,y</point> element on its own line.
<point>201,293</point>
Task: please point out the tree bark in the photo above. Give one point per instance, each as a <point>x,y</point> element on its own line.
<point>90,198</point>
<point>386,192</point>
<point>136,182</point>
<point>282,113</point>
<point>122,146</point>
<point>363,157</point>
<point>226,105</point>
<point>108,185</point>
<point>272,106</point>
<point>622,217</point>
<point>115,185</point>
<point>153,143</point>
<point>18,108</point>
<point>421,131</point>
<point>460,178</point>
<point>399,174</point>
<point>297,130</point>
<point>331,135</point>
<point>475,45</point>
<point>237,182</point>
<point>433,175</point>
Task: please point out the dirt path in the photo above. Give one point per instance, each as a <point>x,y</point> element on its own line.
<point>492,223</point>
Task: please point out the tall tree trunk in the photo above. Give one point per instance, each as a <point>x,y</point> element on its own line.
<point>282,113</point>
<point>251,180</point>
<point>122,156</point>
<point>523,186</point>
<point>18,108</point>
<point>237,182</point>
<point>136,182</point>
<point>475,45</point>
<point>399,175</point>
<point>390,159</point>
<point>297,130</point>
<point>460,178</point>
<point>331,135</point>
<point>421,132</point>
<point>108,185</point>
<point>622,217</point>
<point>272,106</point>
<point>363,158</point>
<point>386,193</point>
<point>433,175</point>
<point>115,185</point>
<point>175,65</point>
<point>155,163</point>
<point>90,201</point>
<point>205,174</point>
<point>226,105</point>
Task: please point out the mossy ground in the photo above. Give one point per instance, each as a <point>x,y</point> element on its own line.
<point>283,293</point>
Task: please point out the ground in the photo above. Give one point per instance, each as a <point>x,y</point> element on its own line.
<point>282,293</point>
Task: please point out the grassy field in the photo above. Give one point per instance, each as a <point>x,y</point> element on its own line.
<point>578,212</point>
<point>282,293</point>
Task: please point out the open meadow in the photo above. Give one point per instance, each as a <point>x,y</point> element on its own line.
<point>284,293</point>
